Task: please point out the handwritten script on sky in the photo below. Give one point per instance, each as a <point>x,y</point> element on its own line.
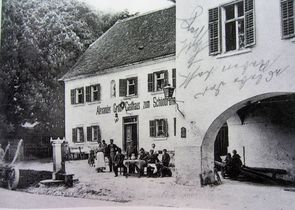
<point>194,48</point>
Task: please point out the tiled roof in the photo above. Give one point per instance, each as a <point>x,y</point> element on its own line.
<point>129,41</point>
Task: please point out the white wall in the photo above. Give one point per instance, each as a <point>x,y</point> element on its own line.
<point>268,138</point>
<point>269,48</point>
<point>85,114</point>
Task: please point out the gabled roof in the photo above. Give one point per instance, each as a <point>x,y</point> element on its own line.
<point>129,41</point>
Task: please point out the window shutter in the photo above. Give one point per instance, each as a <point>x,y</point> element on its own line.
<point>98,134</point>
<point>287,13</point>
<point>99,91</point>
<point>166,79</point>
<point>74,135</point>
<point>89,134</point>
<point>122,87</point>
<point>166,128</point>
<point>150,82</point>
<point>152,128</point>
<point>249,23</point>
<point>73,96</point>
<point>174,78</point>
<point>174,120</point>
<point>82,96</point>
<point>136,85</point>
<point>88,93</point>
<point>82,135</point>
<point>214,31</point>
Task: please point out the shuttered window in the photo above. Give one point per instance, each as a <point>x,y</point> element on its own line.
<point>93,93</point>
<point>231,27</point>
<point>128,87</point>
<point>78,135</point>
<point>159,128</point>
<point>157,81</point>
<point>288,23</point>
<point>77,96</point>
<point>93,133</point>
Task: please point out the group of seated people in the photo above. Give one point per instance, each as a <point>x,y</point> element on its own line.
<point>150,160</point>
<point>155,167</point>
<point>232,165</point>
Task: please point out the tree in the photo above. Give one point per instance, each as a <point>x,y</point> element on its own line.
<point>41,40</point>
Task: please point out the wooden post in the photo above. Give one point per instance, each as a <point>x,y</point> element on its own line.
<point>244,161</point>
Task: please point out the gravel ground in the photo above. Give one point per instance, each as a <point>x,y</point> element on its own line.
<point>133,191</point>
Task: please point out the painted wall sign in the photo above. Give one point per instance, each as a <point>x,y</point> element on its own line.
<point>103,110</point>
<point>163,101</point>
<point>146,104</point>
<point>132,106</point>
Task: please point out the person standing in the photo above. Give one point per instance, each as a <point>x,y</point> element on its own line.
<point>118,162</point>
<point>112,149</point>
<point>104,147</point>
<point>99,160</point>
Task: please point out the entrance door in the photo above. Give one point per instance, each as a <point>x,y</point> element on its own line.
<point>130,132</point>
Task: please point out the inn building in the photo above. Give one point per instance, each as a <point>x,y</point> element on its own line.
<point>115,90</point>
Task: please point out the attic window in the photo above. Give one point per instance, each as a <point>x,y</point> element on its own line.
<point>140,47</point>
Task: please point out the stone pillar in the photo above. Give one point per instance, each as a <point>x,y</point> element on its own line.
<point>58,157</point>
<point>188,165</point>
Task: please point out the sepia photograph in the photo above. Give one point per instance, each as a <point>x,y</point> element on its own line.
<point>147,104</point>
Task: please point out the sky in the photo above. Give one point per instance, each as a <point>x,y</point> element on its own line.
<point>132,6</point>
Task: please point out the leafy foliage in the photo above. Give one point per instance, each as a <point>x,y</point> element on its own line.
<point>41,40</point>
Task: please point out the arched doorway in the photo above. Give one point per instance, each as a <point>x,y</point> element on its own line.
<point>264,125</point>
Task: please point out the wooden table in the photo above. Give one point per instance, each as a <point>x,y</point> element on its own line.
<point>137,163</point>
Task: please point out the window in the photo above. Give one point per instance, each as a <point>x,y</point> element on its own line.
<point>231,27</point>
<point>234,26</point>
<point>93,133</point>
<point>288,22</point>
<point>93,93</point>
<point>159,128</point>
<point>77,96</point>
<point>157,81</point>
<point>128,87</point>
<point>78,135</point>
<point>131,86</point>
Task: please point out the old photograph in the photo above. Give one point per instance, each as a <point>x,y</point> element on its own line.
<point>147,104</point>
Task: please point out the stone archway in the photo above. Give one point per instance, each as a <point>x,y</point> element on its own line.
<point>207,146</point>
